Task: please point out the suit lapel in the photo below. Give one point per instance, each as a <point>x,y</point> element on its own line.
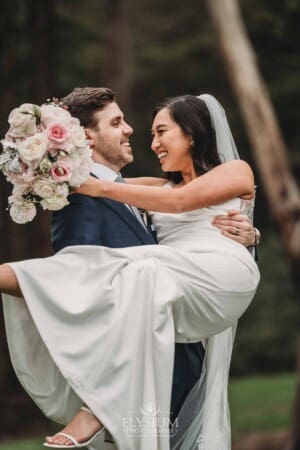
<point>127,216</point>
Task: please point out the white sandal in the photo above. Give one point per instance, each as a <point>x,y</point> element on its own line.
<point>72,439</point>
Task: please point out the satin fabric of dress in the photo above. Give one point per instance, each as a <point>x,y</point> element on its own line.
<point>81,305</point>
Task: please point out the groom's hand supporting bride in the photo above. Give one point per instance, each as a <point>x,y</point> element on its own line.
<point>238,227</point>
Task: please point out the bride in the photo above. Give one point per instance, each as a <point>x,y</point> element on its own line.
<point>68,330</point>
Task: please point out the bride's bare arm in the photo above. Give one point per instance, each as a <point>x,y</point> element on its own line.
<point>226,181</point>
<point>146,181</point>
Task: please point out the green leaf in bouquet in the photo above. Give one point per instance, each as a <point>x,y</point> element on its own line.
<point>32,197</point>
<point>37,114</point>
<point>4,158</point>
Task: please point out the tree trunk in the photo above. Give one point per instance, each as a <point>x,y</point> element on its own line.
<point>261,124</point>
<point>266,141</point>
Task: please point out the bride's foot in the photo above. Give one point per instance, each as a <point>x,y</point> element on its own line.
<point>82,428</point>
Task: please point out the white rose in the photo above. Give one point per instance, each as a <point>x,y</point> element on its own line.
<point>34,147</point>
<point>54,203</point>
<point>51,113</point>
<point>79,175</point>
<point>78,136</point>
<point>81,157</point>
<point>74,121</point>
<point>44,187</point>
<point>82,166</point>
<point>22,211</point>
<point>62,190</point>
<point>30,108</point>
<point>23,120</point>
<point>85,153</point>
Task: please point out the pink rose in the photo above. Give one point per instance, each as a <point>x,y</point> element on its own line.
<point>60,173</point>
<point>57,133</point>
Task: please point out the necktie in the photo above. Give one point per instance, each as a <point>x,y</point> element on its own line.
<point>133,209</point>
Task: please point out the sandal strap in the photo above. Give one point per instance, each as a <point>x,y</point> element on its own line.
<point>86,409</point>
<point>68,436</point>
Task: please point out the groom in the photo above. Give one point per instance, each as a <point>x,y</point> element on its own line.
<point>100,221</point>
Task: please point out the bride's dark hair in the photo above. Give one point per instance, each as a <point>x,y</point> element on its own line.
<point>192,115</point>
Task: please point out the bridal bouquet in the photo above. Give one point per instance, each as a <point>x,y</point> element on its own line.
<point>45,154</point>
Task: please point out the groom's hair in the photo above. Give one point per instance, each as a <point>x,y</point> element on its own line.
<point>83,103</point>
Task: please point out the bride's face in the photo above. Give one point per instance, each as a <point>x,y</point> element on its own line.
<point>171,145</point>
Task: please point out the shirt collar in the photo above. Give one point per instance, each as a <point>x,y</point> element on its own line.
<point>104,172</point>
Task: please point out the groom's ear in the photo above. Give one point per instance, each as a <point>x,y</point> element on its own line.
<point>90,137</point>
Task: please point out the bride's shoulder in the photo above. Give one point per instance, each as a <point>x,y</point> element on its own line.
<point>235,164</point>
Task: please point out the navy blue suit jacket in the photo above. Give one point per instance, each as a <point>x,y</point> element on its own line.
<point>99,221</point>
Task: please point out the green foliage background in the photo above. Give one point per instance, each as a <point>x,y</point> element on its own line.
<point>48,48</point>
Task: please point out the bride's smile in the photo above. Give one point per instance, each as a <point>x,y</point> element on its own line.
<point>171,145</point>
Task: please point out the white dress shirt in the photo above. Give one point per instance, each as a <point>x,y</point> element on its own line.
<point>106,173</point>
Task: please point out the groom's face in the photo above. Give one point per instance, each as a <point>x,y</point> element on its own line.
<point>110,138</point>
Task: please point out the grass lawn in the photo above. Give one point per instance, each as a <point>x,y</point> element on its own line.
<point>30,444</point>
<point>261,403</point>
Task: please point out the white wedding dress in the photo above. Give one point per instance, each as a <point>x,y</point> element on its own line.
<point>98,326</point>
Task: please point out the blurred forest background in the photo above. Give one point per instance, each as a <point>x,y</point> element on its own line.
<point>147,50</point>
